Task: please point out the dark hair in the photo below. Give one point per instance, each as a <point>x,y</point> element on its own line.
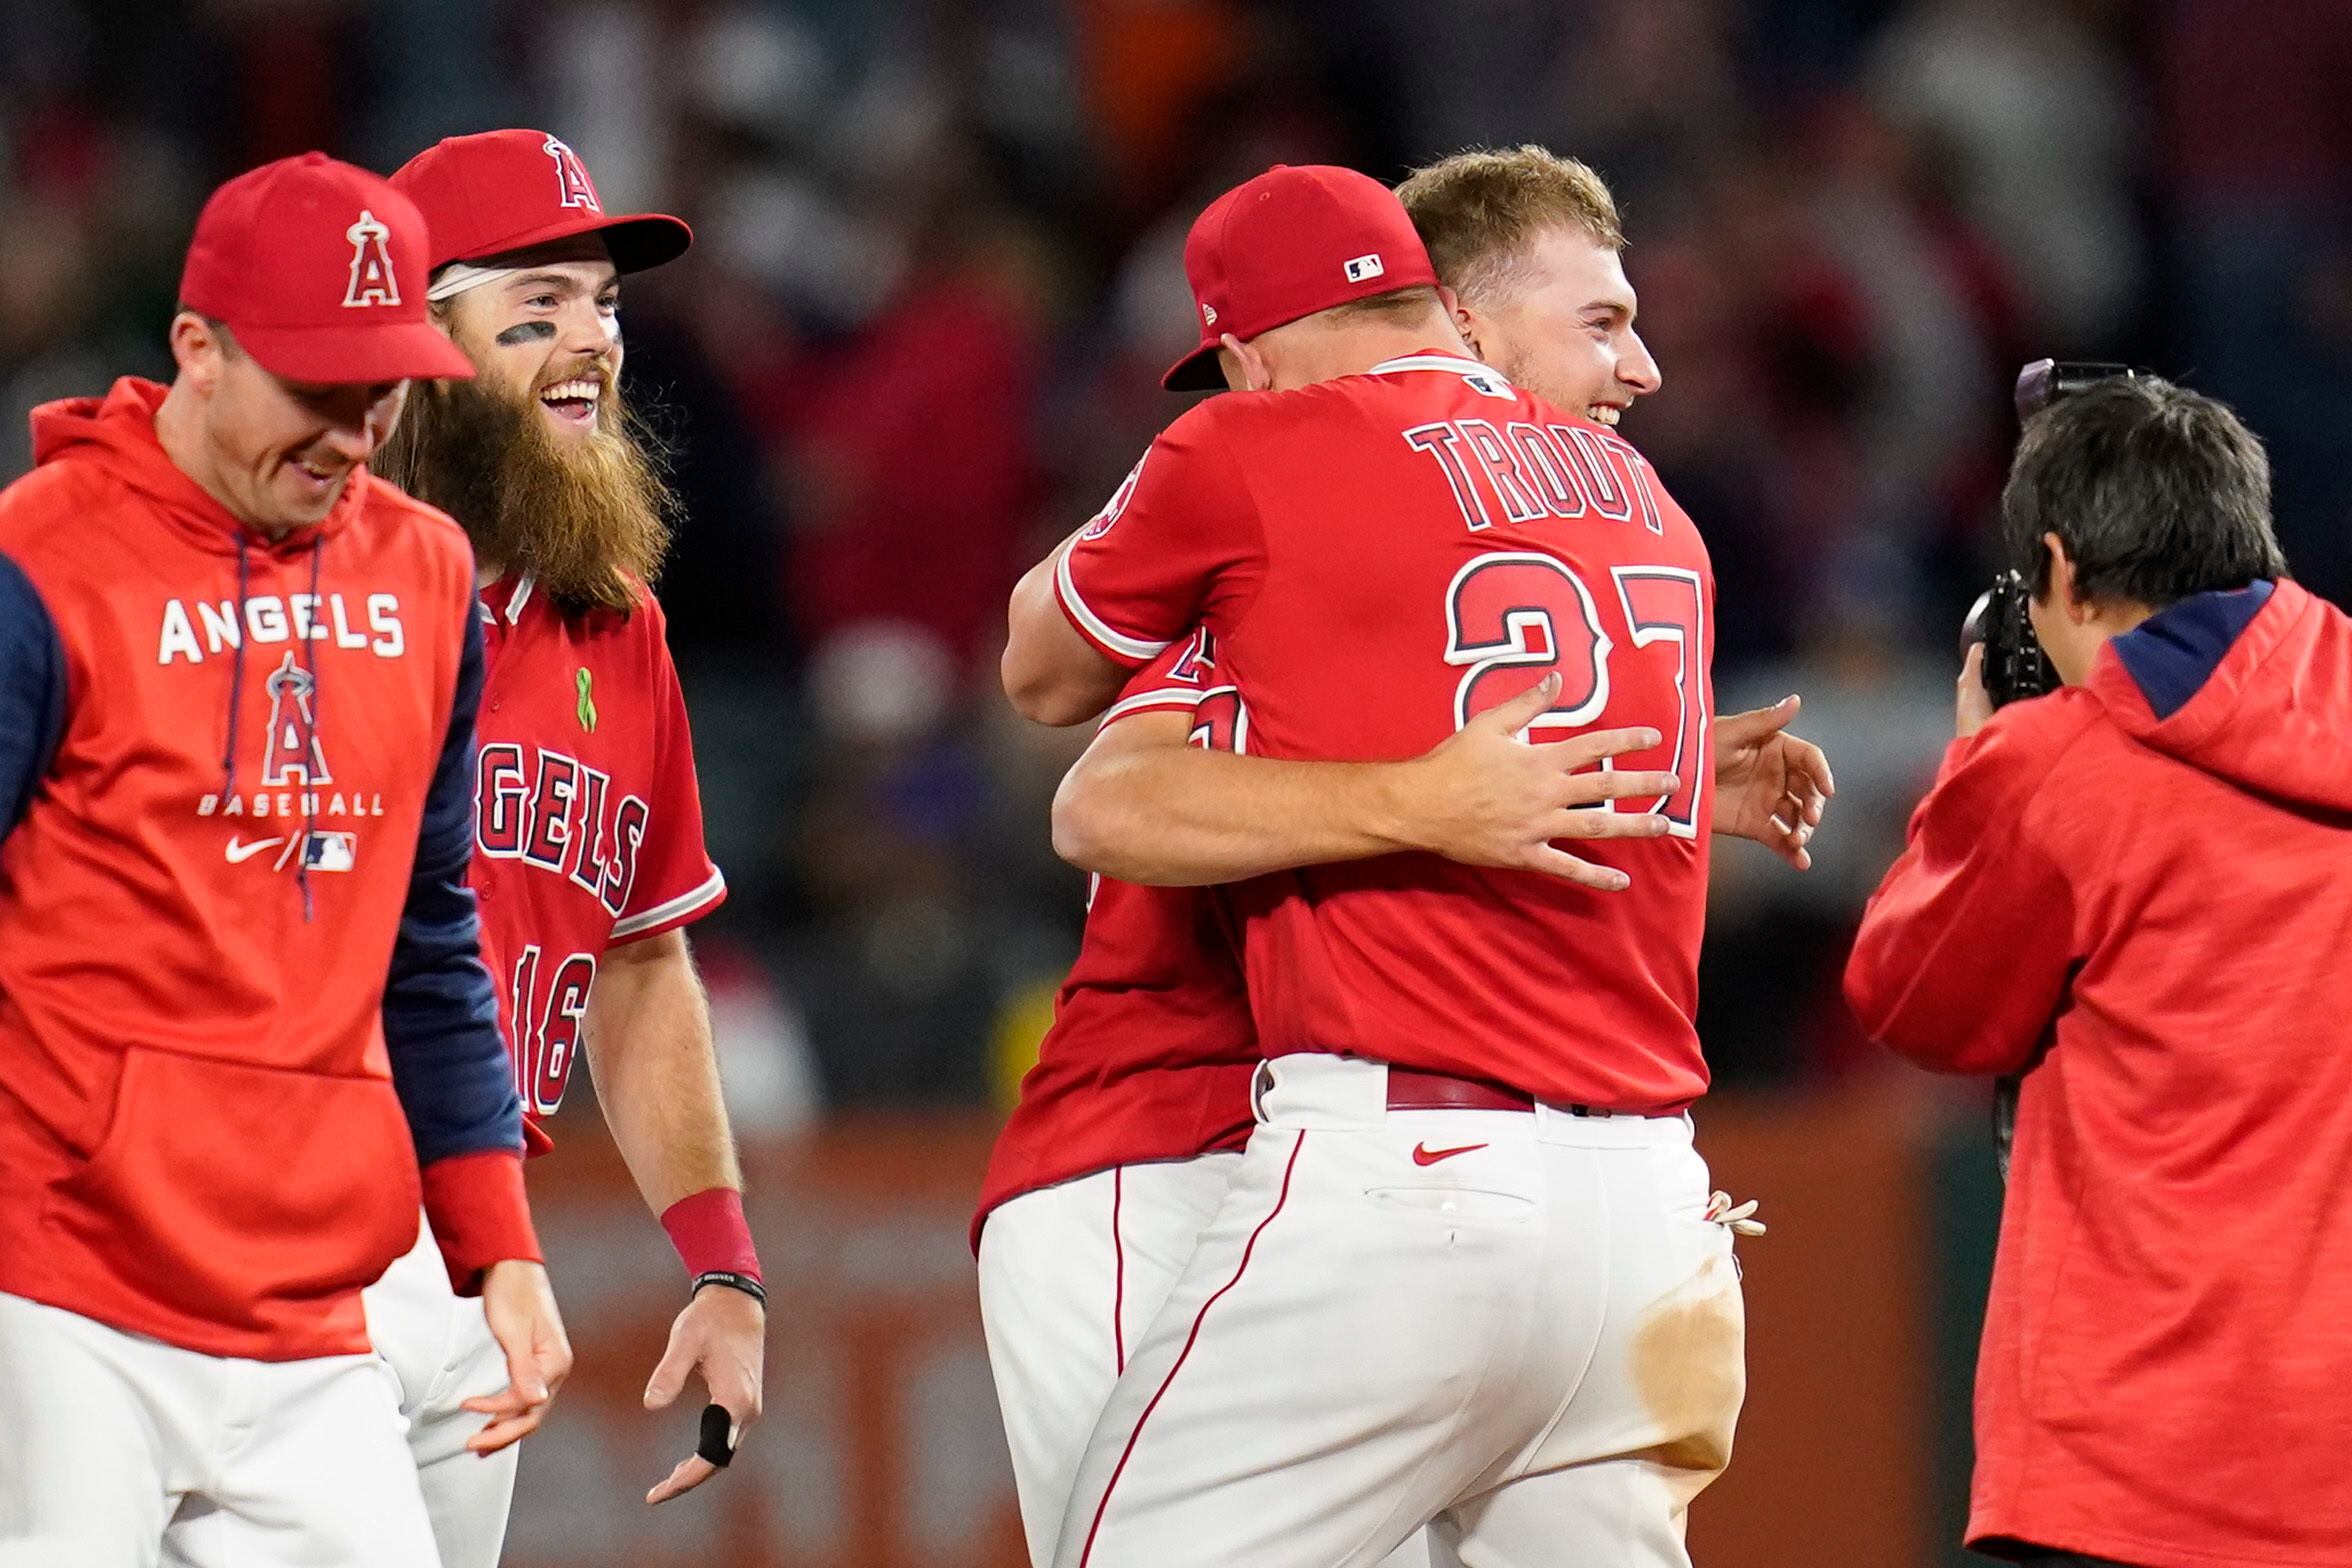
<point>2157,492</point>
<point>1408,304</point>
<point>220,329</point>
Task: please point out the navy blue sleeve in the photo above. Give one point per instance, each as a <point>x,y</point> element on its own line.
<point>32,692</point>
<point>440,1013</point>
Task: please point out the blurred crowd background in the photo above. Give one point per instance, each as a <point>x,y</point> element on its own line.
<point>937,272</point>
<point>939,266</point>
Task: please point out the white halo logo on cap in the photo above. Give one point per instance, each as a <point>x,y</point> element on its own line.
<point>372,280</point>
<point>1209,315</point>
<point>571,177</point>
<point>1365,267</point>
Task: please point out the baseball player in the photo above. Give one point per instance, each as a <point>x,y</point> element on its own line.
<point>1149,1058</point>
<point>589,851</point>
<point>1531,249</point>
<point>239,973</point>
<point>1128,1127</point>
<point>1495,1293</point>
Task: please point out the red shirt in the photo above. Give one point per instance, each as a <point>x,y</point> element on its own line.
<point>2149,879</point>
<point>1379,558</point>
<point>1151,1049</point>
<point>588,827</point>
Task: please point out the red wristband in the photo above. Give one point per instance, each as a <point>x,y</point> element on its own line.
<point>479,1215</point>
<point>709,1232</point>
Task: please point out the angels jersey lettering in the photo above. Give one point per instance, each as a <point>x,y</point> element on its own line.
<point>1151,1049</point>
<point>588,821</point>
<point>1379,559</point>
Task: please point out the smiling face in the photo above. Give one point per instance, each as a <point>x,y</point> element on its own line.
<point>549,336</point>
<point>538,457</point>
<point>278,454</point>
<point>1558,321</point>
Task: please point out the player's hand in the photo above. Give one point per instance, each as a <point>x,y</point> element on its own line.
<point>520,1305</point>
<point>1487,798</point>
<point>1974,704</point>
<point>722,1334</point>
<point>1770,786</point>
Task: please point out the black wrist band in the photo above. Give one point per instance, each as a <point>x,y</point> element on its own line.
<point>733,1281</point>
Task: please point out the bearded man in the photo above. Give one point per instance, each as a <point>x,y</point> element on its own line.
<point>589,858</point>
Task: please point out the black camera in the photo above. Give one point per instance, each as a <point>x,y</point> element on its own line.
<point>2014,664</point>
<point>2015,667</point>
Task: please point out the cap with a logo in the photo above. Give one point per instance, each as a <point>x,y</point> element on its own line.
<point>501,191</point>
<point>1295,240</point>
<point>318,271</point>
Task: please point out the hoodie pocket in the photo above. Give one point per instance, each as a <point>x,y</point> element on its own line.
<point>232,1191</point>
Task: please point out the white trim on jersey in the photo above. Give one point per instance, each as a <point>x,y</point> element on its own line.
<point>1094,626</point>
<point>1453,362</point>
<point>522,596</point>
<point>1167,697</point>
<point>661,914</point>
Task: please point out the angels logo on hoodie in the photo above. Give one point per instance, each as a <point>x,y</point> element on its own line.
<point>294,755</point>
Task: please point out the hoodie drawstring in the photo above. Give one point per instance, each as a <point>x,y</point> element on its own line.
<point>236,675</point>
<point>310,747</point>
<point>310,726</point>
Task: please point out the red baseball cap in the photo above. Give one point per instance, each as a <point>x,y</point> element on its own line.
<point>318,269</point>
<point>500,191</point>
<point>1295,240</point>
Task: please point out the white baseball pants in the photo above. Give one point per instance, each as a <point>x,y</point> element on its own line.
<point>1070,1279</point>
<point>438,1346</point>
<point>1516,1326</point>
<point>115,1447</point>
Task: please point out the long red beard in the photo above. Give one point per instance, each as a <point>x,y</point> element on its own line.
<point>589,519</point>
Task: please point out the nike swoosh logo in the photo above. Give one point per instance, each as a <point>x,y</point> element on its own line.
<point>239,853</point>
<point>1423,1154</point>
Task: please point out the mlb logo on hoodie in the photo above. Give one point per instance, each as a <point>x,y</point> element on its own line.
<point>330,851</point>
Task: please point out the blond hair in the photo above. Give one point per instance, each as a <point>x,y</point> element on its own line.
<point>1479,212</point>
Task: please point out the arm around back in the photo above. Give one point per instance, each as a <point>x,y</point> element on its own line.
<point>1052,674</point>
<point>1144,806</point>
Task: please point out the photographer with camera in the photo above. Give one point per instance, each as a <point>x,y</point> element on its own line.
<point>2137,891</point>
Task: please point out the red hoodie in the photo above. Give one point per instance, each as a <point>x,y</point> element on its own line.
<point>2144,885</point>
<point>232,902</point>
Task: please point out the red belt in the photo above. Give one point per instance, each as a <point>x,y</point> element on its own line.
<point>1412,1090</point>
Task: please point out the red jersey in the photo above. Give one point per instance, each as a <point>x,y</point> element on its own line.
<point>1151,1049</point>
<point>2141,887</point>
<point>588,821</point>
<point>1379,558</point>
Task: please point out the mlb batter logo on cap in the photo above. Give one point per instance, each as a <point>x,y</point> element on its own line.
<point>1293,241</point>
<point>372,279</point>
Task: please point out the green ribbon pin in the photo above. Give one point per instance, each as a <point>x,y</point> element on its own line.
<point>587,703</point>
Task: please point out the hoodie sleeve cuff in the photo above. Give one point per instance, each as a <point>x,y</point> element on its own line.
<point>479,1215</point>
